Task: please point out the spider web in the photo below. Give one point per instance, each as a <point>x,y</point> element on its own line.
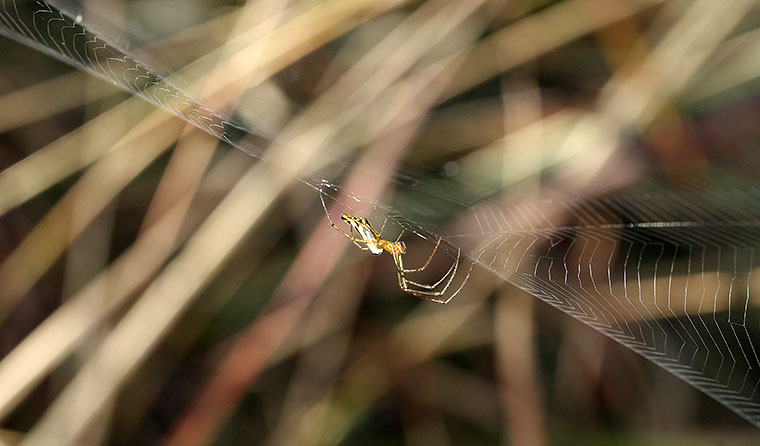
<point>668,274</point>
<point>677,291</point>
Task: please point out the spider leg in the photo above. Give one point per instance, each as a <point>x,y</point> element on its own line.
<point>422,268</point>
<point>333,225</point>
<point>436,296</point>
<point>380,234</point>
<point>357,241</point>
<point>452,271</point>
<point>350,236</point>
<point>431,298</point>
<point>358,245</point>
<point>423,294</point>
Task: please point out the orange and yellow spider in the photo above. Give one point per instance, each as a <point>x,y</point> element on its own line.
<point>372,241</point>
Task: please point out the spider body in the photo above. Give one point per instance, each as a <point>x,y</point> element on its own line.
<point>370,240</point>
<point>374,242</point>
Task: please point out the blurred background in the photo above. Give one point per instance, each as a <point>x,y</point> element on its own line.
<point>158,285</point>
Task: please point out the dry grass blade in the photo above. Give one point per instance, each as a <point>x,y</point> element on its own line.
<point>87,309</point>
<point>34,103</point>
<point>82,204</point>
<point>46,167</point>
<point>162,303</point>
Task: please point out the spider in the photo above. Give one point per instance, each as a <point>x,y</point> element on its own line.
<point>372,241</point>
